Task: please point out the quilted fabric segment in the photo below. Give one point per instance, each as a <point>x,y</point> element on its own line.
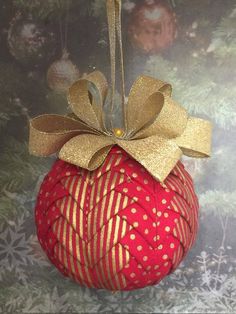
<point>116,228</point>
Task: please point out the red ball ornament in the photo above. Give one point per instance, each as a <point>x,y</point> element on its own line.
<point>153,26</point>
<point>116,228</point>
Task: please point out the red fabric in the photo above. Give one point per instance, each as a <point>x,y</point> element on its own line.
<point>116,227</point>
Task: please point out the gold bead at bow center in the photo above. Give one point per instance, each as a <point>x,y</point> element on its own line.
<point>118,132</point>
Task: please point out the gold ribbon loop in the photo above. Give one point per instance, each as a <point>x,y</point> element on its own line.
<point>137,112</point>
<point>170,120</point>
<point>195,141</point>
<point>98,88</point>
<point>156,154</point>
<point>80,103</point>
<point>100,82</point>
<point>48,133</point>
<point>91,150</point>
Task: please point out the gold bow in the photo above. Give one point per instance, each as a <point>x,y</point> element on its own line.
<point>157,129</point>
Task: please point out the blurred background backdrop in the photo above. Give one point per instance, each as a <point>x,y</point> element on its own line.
<point>47,45</point>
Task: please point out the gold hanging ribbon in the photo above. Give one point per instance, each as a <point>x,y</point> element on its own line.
<point>115,36</point>
<point>159,131</point>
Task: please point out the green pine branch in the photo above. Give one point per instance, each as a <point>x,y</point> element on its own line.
<point>19,170</point>
<point>40,8</point>
<point>43,9</point>
<point>98,8</point>
<point>223,43</point>
<point>200,94</point>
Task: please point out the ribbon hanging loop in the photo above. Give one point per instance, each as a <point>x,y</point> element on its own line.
<point>115,37</point>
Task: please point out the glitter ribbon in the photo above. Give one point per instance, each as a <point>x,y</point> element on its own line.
<point>158,130</point>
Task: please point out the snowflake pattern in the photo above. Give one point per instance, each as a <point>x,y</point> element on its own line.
<point>18,252</point>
